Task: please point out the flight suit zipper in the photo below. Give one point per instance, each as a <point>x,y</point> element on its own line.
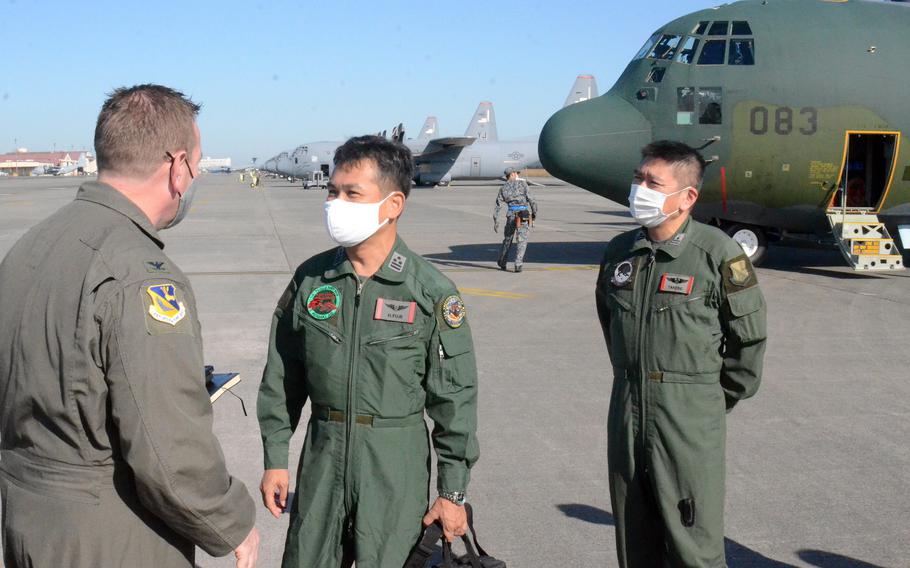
<point>349,410</point>
<point>645,304</point>
<point>382,340</point>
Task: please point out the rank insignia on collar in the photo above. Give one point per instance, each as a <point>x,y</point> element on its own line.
<point>155,266</point>
<point>453,311</point>
<point>676,283</point>
<point>622,274</point>
<point>397,262</point>
<point>323,302</point>
<point>165,306</point>
<point>395,310</point>
<point>678,239</point>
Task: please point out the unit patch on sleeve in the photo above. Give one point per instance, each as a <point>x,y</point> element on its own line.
<point>395,310</point>
<point>676,283</point>
<point>453,311</point>
<point>323,302</point>
<point>738,274</point>
<point>165,307</point>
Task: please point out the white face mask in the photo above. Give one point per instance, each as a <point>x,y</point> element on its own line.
<point>349,224</point>
<point>647,205</point>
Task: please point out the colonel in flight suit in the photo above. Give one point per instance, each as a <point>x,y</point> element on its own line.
<point>108,456</point>
<point>374,337</point>
<point>684,322</point>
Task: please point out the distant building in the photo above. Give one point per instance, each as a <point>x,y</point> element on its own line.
<point>25,163</point>
<point>215,164</point>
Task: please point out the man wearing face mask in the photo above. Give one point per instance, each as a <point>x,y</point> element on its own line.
<point>374,337</point>
<point>684,322</point>
<point>108,456</point>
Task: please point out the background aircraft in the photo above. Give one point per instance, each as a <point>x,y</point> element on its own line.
<point>479,154</point>
<point>789,101</point>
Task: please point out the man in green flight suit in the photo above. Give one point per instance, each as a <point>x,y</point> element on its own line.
<point>108,456</point>
<point>373,336</point>
<point>684,322</point>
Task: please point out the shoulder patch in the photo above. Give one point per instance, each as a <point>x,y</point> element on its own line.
<point>323,302</point>
<point>738,274</point>
<point>452,311</point>
<point>164,305</point>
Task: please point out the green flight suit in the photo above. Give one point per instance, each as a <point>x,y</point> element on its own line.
<point>371,356</point>
<point>108,456</point>
<point>684,322</point>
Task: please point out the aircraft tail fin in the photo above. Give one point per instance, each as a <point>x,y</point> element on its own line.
<point>585,88</point>
<point>430,129</point>
<point>483,125</point>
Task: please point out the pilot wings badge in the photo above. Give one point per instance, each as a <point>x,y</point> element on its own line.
<point>165,306</point>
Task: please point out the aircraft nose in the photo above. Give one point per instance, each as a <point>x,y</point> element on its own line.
<point>595,145</point>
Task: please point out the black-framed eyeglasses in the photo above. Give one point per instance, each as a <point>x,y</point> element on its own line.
<point>186,160</point>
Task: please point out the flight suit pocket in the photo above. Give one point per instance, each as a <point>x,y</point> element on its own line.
<point>456,360</point>
<point>747,319</point>
<point>393,364</point>
<point>623,328</point>
<point>324,358</point>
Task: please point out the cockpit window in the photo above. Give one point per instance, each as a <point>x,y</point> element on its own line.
<point>710,105</point>
<point>713,52</point>
<point>700,28</point>
<point>719,28</point>
<point>656,75</point>
<point>685,105</point>
<point>742,52</point>
<point>665,48</point>
<point>646,48</point>
<point>741,28</point>
<point>687,53</point>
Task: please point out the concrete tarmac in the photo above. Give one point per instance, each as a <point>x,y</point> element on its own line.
<point>818,466</point>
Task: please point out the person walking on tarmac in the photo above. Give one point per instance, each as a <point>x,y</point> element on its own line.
<point>520,215</point>
<point>108,455</point>
<point>684,322</point>
<point>374,336</point>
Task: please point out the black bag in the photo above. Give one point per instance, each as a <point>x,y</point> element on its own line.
<point>474,558</point>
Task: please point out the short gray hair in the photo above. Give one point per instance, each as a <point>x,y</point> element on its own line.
<point>139,125</point>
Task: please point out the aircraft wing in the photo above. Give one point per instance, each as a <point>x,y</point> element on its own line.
<point>441,145</point>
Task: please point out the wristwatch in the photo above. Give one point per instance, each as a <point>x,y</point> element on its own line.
<point>456,497</point>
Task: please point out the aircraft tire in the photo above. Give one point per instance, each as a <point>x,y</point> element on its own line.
<point>752,239</point>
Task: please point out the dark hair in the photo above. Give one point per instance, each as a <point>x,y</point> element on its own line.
<point>687,162</point>
<point>392,160</point>
<point>137,126</point>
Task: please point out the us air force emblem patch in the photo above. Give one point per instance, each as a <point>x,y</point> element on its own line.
<point>453,311</point>
<point>622,274</point>
<point>323,302</point>
<point>738,274</point>
<point>395,310</point>
<point>165,307</point>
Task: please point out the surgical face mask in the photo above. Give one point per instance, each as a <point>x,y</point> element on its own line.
<point>183,206</point>
<point>647,205</point>
<point>349,223</point>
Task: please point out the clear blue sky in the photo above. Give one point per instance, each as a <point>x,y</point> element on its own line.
<point>275,74</point>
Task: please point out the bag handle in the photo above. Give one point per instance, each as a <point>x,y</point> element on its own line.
<point>470,512</point>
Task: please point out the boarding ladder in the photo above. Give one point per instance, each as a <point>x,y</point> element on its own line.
<point>864,240</point>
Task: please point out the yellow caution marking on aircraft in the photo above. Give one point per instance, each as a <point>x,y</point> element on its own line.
<point>494,294</point>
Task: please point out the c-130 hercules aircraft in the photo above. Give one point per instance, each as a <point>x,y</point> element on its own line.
<point>790,101</point>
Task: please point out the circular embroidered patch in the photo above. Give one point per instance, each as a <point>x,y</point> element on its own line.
<point>622,273</point>
<point>453,311</point>
<point>323,302</point>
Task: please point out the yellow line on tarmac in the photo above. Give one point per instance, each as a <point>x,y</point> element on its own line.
<point>494,294</point>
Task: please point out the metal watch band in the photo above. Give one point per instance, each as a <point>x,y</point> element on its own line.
<point>456,497</point>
